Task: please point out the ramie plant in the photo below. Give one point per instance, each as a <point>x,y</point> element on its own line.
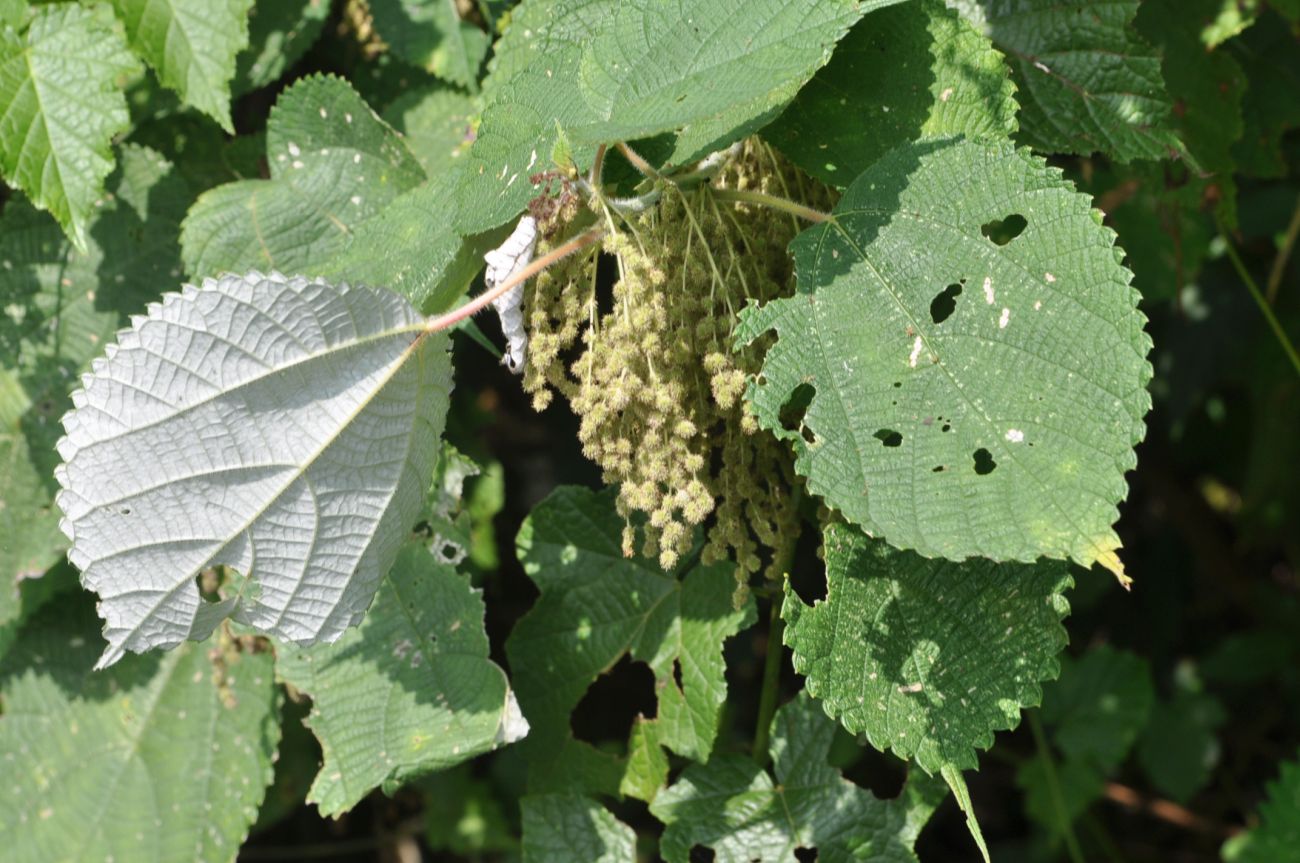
<point>655,382</point>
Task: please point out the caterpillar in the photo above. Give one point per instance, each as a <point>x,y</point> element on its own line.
<point>502,262</point>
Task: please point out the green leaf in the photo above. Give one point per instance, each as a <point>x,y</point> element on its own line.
<point>927,657</point>
<point>1098,705</point>
<point>59,110</point>
<point>977,393</point>
<point>1272,64</point>
<point>430,34</point>
<point>410,691</point>
<point>1056,795</point>
<point>414,247</point>
<point>531,93</point>
<point>728,65</point>
<point>61,307</point>
<point>162,758</point>
<point>14,13</point>
<point>463,814</point>
<point>596,606</point>
<point>436,122</point>
<point>747,815</point>
<point>912,71</point>
<point>1277,837</point>
<point>334,164</point>
<point>279,34</point>
<point>1211,82</point>
<point>191,45</point>
<point>309,412</point>
<point>1179,748</point>
<point>559,828</point>
<point>1087,82</point>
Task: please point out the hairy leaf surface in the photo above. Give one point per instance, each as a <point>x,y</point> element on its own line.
<point>280,426</point>
<point>334,164</point>
<point>62,307</point>
<point>192,45</point>
<point>1278,834</point>
<point>927,657</point>
<point>60,106</point>
<point>409,691</point>
<point>1087,81</point>
<point>278,35</point>
<point>431,34</point>
<point>162,758</point>
<point>913,71</point>
<point>559,828</point>
<point>596,606</point>
<point>735,807</point>
<point>725,65</point>
<point>977,392</point>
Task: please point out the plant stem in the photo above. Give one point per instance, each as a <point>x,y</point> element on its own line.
<point>1278,269</point>
<point>777,203</point>
<point>1264,307</point>
<point>1054,788</point>
<point>771,682</point>
<point>646,169</point>
<point>597,168</point>
<point>484,299</point>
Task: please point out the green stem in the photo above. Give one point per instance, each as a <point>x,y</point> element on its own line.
<point>1278,269</point>
<point>746,196</point>
<point>1054,788</point>
<point>1264,307</point>
<point>771,682</point>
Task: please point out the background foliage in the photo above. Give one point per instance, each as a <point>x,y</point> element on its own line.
<point>1059,289</point>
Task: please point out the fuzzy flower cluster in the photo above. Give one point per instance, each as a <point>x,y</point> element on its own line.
<point>652,374</point>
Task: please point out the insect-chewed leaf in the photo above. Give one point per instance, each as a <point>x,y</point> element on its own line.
<point>282,426</point>
<point>976,353</point>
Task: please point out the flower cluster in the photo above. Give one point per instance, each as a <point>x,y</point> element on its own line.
<point>652,375</point>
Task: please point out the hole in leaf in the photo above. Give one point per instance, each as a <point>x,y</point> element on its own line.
<point>700,854</point>
<point>937,469</point>
<point>796,406</point>
<point>677,674</point>
<point>947,427</point>
<point>805,855</point>
<point>450,552</point>
<point>889,437</point>
<point>613,702</point>
<point>207,582</point>
<point>897,384</point>
<point>1003,231</point>
<point>944,303</point>
<point>984,463</point>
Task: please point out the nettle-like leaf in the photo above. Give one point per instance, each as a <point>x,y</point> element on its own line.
<point>192,45</point>
<point>60,107</point>
<point>913,71</point>
<point>976,392</point>
<point>279,34</point>
<point>531,93</point>
<point>1278,834</point>
<point>334,164</point>
<point>1269,108</point>
<point>281,426</point>
<point>724,66</point>
<point>1098,706</point>
<point>437,123</point>
<point>62,307</point>
<point>162,758</point>
<point>746,815</point>
<point>409,691</point>
<point>597,606</point>
<point>560,828</point>
<point>927,657</point>
<point>1087,81</point>
<point>431,34</point>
